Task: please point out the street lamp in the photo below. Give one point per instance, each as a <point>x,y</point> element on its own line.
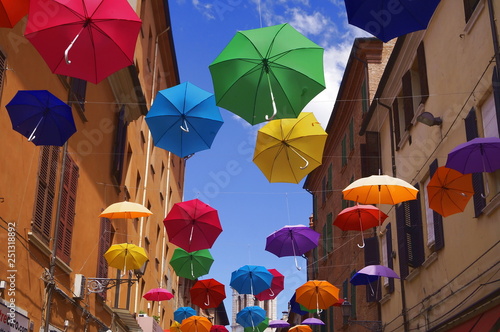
<point>99,285</point>
<point>372,325</point>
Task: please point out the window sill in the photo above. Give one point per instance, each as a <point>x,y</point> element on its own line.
<point>413,274</point>
<point>35,240</point>
<point>474,17</point>
<point>404,139</point>
<point>492,205</point>
<point>431,259</point>
<point>385,298</point>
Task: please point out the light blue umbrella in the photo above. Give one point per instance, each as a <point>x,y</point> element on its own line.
<point>250,316</point>
<point>183,313</point>
<point>251,279</point>
<point>184,119</point>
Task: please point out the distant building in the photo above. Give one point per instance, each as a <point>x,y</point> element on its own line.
<point>240,301</point>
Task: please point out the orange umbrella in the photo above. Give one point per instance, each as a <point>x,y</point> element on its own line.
<point>317,294</point>
<point>449,191</point>
<point>196,324</point>
<point>300,328</point>
<point>125,210</point>
<point>12,12</point>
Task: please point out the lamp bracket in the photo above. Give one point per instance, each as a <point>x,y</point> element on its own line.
<point>372,325</point>
<point>99,285</point>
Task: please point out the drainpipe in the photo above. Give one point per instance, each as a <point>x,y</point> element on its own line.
<point>52,267</point>
<point>391,129</point>
<point>164,240</point>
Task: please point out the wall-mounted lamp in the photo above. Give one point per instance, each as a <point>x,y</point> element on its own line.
<point>429,119</point>
<point>372,325</point>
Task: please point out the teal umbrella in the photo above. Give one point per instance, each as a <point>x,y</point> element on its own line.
<point>191,265</point>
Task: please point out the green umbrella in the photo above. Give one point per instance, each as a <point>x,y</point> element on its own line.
<point>191,265</point>
<point>259,328</point>
<point>268,73</point>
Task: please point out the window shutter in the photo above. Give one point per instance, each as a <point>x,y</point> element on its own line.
<point>471,132</point>
<point>119,146</point>
<point>422,73</point>
<point>353,298</point>
<point>351,135</point>
<point>67,211</point>
<point>315,207</point>
<point>329,184</point>
<point>438,219</point>
<point>45,193</point>
<point>372,257</point>
<point>401,233</point>
<point>324,236</point>
<point>370,154</point>
<point>329,232</point>
<point>414,234</point>
<point>395,115</point>
<point>407,99</point>
<point>390,263</point>
<point>78,91</point>
<point>496,95</point>
<point>104,244</point>
<point>469,6</point>
<point>345,295</point>
<point>3,67</point>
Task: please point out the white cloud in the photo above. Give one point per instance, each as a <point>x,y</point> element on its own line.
<point>204,8</point>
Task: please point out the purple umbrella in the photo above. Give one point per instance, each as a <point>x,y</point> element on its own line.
<point>312,321</point>
<point>278,323</point>
<point>371,273</point>
<point>293,240</point>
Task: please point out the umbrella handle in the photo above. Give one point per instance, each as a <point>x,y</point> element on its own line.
<point>66,55</point>
<point>208,301</point>
<point>362,235</point>
<point>185,128</point>
<point>271,293</point>
<point>304,159</point>
<point>32,136</point>
<point>275,110</point>
<point>295,257</point>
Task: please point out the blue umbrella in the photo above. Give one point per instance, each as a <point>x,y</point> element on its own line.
<point>250,316</point>
<point>387,19</point>
<point>41,117</point>
<point>251,279</point>
<point>184,119</point>
<point>183,313</point>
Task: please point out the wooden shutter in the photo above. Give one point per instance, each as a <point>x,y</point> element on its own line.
<point>45,192</point>
<point>471,132</point>
<point>496,95</point>
<point>407,99</point>
<point>119,146</point>
<point>67,210</point>
<point>345,295</point>
<point>351,135</point>
<point>414,232</point>
<point>469,6</point>
<point>401,233</point>
<point>388,248</point>
<point>395,116</point>
<point>372,257</point>
<point>78,91</point>
<point>370,155</point>
<point>329,184</point>
<point>3,67</point>
<point>353,298</point>
<point>438,219</point>
<point>422,73</point>
<point>329,232</point>
<point>104,244</point>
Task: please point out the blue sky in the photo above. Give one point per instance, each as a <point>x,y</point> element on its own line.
<point>251,208</point>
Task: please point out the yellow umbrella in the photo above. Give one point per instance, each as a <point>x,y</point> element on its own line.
<point>125,210</point>
<point>380,189</point>
<point>175,327</point>
<point>126,256</point>
<point>317,294</point>
<point>288,149</point>
<point>196,324</point>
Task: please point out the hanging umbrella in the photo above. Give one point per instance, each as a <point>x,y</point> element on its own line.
<point>184,119</point>
<point>359,218</point>
<point>87,39</point>
<point>387,19</point>
<point>158,294</point>
<point>292,240</point>
<point>277,285</point>
<point>317,294</point>
<point>125,256</point>
<point>267,73</point>
<point>379,189</point>
<point>196,324</point>
<point>251,279</point>
<point>251,316</point>
<point>218,328</point>
<point>297,307</point>
<point>288,149</point>
<point>12,11</point>
<point>339,303</point>
<point>175,327</point>
<point>312,321</point>
<point>183,312</point>
<point>449,191</point>
<point>259,328</point>
<point>192,225</point>
<point>208,293</point>
<point>277,323</point>
<point>372,273</point>
<point>125,210</point>
<point>191,265</point>
<point>300,328</point>
<point>41,117</point>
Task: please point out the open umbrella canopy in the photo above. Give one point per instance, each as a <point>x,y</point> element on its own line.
<point>300,328</point>
<point>158,294</point>
<point>184,119</point>
<point>208,293</point>
<point>312,321</point>
<point>371,273</point>
<point>191,265</point>
<point>218,328</point>
<point>175,327</point>
<point>481,154</point>
<point>41,117</point>
<point>125,210</point>
<point>317,294</point>
<point>126,256</point>
<point>277,285</point>
<point>277,323</point>
<point>192,225</point>
<point>259,328</point>
<point>251,279</point>
<point>297,307</point>
<point>266,73</point>
<point>86,39</point>
<point>183,312</point>
<point>12,11</point>
<point>288,149</point>
<point>449,191</point>
<point>251,316</point>
<point>387,19</point>
<point>380,189</point>
<point>196,324</point>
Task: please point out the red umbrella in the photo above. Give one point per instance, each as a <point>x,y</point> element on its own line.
<point>207,293</point>
<point>192,225</point>
<point>86,39</point>
<point>218,328</point>
<point>158,294</point>
<point>277,285</point>
<point>12,11</point>
<point>359,218</point>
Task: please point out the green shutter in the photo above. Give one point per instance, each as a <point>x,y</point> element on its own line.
<point>344,151</point>
<point>329,232</point>
<point>364,97</point>
<point>351,134</point>
<point>353,298</point>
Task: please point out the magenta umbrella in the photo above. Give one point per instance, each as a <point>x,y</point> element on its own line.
<point>158,294</point>
<point>277,285</point>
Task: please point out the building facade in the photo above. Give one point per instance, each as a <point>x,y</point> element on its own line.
<point>240,301</point>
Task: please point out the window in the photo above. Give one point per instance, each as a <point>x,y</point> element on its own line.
<point>353,297</point>
<point>365,103</point>
<point>469,7</point>
<point>490,112</point>
<point>78,89</point>
<point>315,266</point>
<point>328,235</point>
<point>329,184</point>
<point>387,256</point>
<point>345,295</point>
<point>119,146</point>
<point>434,221</point>
<point>104,244</point>
<point>323,192</point>
<point>3,67</point>
<point>351,135</point>
<point>45,193</point>
<point>471,132</point>
<point>344,151</point>
<point>372,257</point>
<point>370,155</point>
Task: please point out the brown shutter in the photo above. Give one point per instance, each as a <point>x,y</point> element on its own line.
<point>438,219</point>
<point>402,250</point>
<point>496,94</point>
<point>78,91</point>
<point>370,154</point>
<point>395,116</point>
<point>414,233</point>
<point>408,99</point>
<point>45,193</point>
<point>119,146</point>
<point>67,211</point>
<point>104,244</point>
<point>372,257</point>
<point>390,263</point>
<point>422,73</point>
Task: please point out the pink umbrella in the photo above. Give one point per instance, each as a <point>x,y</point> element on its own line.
<point>158,294</point>
<point>277,285</point>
